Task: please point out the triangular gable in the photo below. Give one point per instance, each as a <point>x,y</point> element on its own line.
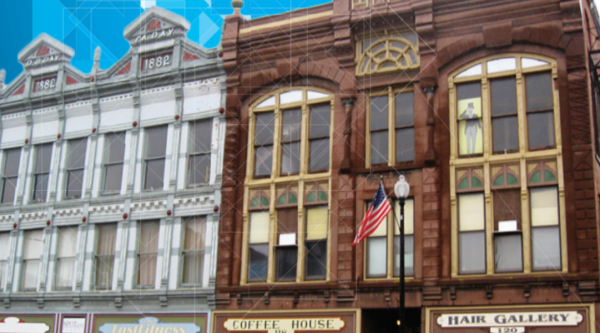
<point>155,24</point>
<point>45,51</point>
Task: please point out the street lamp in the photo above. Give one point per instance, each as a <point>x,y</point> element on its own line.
<point>401,189</point>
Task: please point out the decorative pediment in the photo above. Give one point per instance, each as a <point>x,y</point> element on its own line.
<point>45,51</point>
<point>156,24</point>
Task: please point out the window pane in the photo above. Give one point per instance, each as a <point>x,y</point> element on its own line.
<point>105,258</point>
<point>539,91</point>
<point>287,221</point>
<point>107,235</point>
<point>500,65</point>
<point>265,124</point>
<point>259,227</point>
<point>471,252</point>
<point>263,161</point>
<point>11,164</point>
<point>405,145</point>
<point>201,136</point>
<point>291,125</point>
<point>316,259</point>
<point>381,228</point>
<point>541,129</point>
<point>114,149</point>
<point>4,249</point>
<point>258,262</point>
<point>316,223</point>
<point>546,249</point>
<point>404,109</point>
<point>379,113</point>
<point>506,136</point>
<point>319,155</point>
<point>34,244</point>
<point>544,206</point>
<point>290,158</point>
<point>471,214</point>
<point>8,190</point>
<point>112,177</point>
<point>508,253</point>
<point>199,169</point>
<point>379,147</point>
<point>40,189</point>
<point>67,242</point>
<point>376,257</point>
<point>319,121</point>
<point>287,258</point>
<point>77,149</point>
<point>409,216</point>
<point>65,269</point>
<point>193,264</point>
<point>156,141</point>
<point>155,170</point>
<point>30,268</point>
<point>104,271</point>
<point>409,255</point>
<point>504,96</point>
<point>469,112</point>
<point>507,206</point>
<point>147,249</point>
<point>147,269</point>
<point>43,157</point>
<point>74,183</point>
<point>195,229</point>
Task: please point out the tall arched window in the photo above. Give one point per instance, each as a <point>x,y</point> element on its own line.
<point>507,216</point>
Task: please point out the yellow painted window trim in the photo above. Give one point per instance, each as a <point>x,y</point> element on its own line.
<point>386,39</point>
<point>523,156</point>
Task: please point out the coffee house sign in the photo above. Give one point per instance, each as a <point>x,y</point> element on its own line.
<point>512,320</point>
<point>284,325</point>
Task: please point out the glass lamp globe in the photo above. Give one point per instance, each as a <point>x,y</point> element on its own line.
<point>402,188</point>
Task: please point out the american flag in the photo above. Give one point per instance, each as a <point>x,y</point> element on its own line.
<point>378,210</point>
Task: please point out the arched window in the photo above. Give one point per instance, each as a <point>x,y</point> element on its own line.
<point>387,54</point>
<point>507,189</point>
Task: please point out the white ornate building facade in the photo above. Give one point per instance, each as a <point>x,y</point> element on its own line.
<point>110,188</point>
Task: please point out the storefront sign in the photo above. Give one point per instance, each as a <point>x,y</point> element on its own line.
<point>284,325</point>
<point>16,325</point>
<point>150,325</point>
<point>513,320</point>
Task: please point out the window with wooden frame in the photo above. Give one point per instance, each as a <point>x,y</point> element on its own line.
<point>65,258</point>
<point>114,155</point>
<point>391,134</point>
<point>12,160</point>
<point>32,254</point>
<point>4,254</point>
<point>75,168</point>
<point>192,254</point>
<point>147,253</point>
<point>43,157</point>
<point>199,152</point>
<point>512,136</point>
<point>290,133</point>
<point>382,252</point>
<point>154,157</point>
<point>388,52</point>
<point>293,247</point>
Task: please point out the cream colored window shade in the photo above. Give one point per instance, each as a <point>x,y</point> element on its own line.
<point>409,217</point>
<point>471,212</point>
<point>317,223</point>
<point>544,206</point>
<point>259,227</point>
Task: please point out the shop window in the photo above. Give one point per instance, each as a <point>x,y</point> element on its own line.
<point>114,154</point>
<point>471,234</point>
<point>199,152</point>
<point>75,168</point>
<point>154,157</point>
<point>391,128</point>
<point>34,248</point>
<point>105,255</point>
<point>258,257</point>
<point>545,229</point>
<point>383,261</point>
<point>43,156</point>
<point>12,158</point>
<point>193,250</point>
<point>65,259</point>
<point>4,254</point>
<point>147,253</point>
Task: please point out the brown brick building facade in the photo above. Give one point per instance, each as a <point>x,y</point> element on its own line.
<point>485,107</point>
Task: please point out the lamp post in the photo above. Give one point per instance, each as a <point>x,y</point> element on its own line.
<point>401,189</point>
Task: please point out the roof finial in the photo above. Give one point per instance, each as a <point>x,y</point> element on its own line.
<point>2,77</point>
<point>237,6</point>
<point>97,54</point>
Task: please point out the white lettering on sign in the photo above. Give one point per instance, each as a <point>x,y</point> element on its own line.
<point>280,325</point>
<point>42,60</point>
<point>155,35</point>
<point>44,84</point>
<point>570,318</point>
<point>14,325</point>
<point>158,61</point>
<point>507,330</point>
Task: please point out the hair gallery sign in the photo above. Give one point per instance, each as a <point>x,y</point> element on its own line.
<point>284,325</point>
<point>515,319</point>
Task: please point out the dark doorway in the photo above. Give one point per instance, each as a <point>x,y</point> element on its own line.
<point>385,320</point>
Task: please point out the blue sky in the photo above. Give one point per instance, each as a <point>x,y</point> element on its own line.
<point>85,24</point>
